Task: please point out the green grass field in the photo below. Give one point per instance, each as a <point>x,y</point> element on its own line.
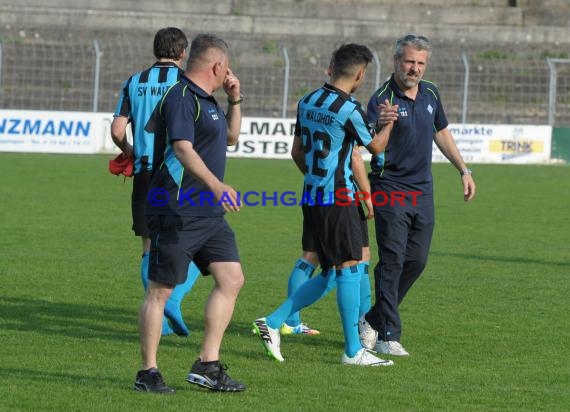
<point>487,325</point>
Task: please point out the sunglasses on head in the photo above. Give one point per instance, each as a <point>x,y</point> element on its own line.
<point>411,37</point>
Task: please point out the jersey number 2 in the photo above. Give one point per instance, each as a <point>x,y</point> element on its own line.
<point>317,153</point>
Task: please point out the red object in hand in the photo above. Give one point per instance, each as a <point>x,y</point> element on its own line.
<point>122,165</point>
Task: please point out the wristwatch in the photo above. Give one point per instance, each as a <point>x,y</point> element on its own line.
<point>235,102</point>
<point>466,171</point>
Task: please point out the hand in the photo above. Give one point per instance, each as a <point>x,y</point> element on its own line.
<point>128,151</point>
<point>232,86</point>
<point>468,187</point>
<point>227,197</point>
<point>387,113</point>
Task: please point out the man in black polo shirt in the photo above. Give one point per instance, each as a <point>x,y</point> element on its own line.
<point>404,229</point>
<point>137,106</point>
<point>186,203</point>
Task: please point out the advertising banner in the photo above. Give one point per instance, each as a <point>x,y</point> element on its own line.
<point>264,137</point>
<point>500,143</point>
<point>50,132</point>
<point>260,137</point>
<point>272,138</point>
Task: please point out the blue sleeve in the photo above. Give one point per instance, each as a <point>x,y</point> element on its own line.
<point>179,111</point>
<point>357,126</point>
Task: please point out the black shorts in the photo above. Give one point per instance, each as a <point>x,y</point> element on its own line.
<point>308,242</point>
<point>177,240</point>
<point>336,231</point>
<point>138,198</point>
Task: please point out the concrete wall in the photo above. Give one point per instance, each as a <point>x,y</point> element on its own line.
<point>436,13</point>
<point>476,25</point>
<point>233,6</point>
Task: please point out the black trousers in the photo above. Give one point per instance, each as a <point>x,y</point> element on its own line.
<point>403,234</point>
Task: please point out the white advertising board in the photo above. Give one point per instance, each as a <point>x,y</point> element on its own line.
<point>260,137</point>
<point>50,132</point>
<point>478,143</point>
<point>264,137</point>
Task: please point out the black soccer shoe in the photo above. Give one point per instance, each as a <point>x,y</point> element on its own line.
<point>212,375</point>
<point>151,380</point>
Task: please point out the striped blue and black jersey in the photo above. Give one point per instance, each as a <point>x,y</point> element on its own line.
<point>329,123</point>
<point>139,99</point>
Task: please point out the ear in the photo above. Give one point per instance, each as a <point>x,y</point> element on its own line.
<point>329,71</point>
<point>216,68</point>
<point>360,74</point>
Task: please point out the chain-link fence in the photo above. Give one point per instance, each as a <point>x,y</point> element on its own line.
<point>84,72</point>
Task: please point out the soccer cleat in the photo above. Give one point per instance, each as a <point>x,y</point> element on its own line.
<point>368,335</point>
<point>391,347</point>
<point>364,358</point>
<point>300,329</point>
<point>212,375</point>
<point>270,339</point>
<point>150,380</point>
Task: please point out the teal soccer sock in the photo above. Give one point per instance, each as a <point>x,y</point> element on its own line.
<point>307,294</point>
<point>301,273</point>
<point>348,301</point>
<point>172,308</point>
<point>144,270</point>
<point>365,293</point>
<point>166,329</point>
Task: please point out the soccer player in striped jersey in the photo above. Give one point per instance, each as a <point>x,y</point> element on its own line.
<point>137,105</point>
<point>330,123</point>
<point>306,265</point>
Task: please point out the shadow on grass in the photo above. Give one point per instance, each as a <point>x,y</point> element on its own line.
<point>73,320</point>
<point>88,321</point>
<point>60,377</point>
<point>503,259</point>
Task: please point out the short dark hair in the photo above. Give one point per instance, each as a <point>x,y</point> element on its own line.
<point>347,58</point>
<point>169,43</point>
<point>204,42</point>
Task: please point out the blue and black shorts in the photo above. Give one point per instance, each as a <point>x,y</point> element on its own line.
<point>308,242</point>
<point>336,232</point>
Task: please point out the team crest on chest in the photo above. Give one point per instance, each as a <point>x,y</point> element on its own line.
<point>430,109</point>
<point>403,112</point>
<point>213,113</point>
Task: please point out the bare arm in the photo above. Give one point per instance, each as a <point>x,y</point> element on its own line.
<point>359,170</point>
<point>446,144</point>
<point>380,140</point>
<point>233,115</point>
<point>298,154</point>
<point>384,125</point>
<point>119,135</point>
<point>193,163</point>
